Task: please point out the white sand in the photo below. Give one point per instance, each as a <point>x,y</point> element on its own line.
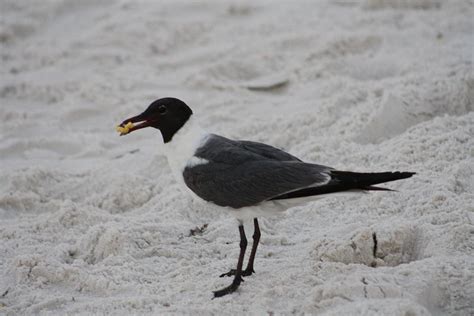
<point>94,223</point>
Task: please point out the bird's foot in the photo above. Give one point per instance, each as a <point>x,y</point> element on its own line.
<point>229,289</point>
<point>246,272</point>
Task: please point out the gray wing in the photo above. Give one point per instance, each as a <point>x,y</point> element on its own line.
<point>251,182</point>
<point>267,151</point>
<point>221,149</point>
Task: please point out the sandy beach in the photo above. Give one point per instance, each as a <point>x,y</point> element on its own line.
<point>94,223</point>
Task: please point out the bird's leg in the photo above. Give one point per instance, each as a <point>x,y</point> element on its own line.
<point>256,238</point>
<point>238,273</point>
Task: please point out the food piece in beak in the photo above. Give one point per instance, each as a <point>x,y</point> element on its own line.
<point>134,123</point>
<point>125,129</point>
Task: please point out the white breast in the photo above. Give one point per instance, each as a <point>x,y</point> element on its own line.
<point>180,150</point>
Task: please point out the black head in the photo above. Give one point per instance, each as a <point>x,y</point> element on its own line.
<point>167,114</point>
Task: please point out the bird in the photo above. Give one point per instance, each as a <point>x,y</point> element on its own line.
<point>246,178</point>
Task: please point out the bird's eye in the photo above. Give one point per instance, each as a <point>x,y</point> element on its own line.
<point>162,109</point>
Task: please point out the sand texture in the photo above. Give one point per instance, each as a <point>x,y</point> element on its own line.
<point>94,223</point>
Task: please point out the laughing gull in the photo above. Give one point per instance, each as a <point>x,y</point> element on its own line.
<point>247,178</point>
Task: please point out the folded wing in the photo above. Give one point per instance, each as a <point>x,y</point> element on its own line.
<point>243,173</point>
<point>250,183</point>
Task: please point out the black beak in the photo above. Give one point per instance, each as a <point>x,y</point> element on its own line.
<point>142,119</point>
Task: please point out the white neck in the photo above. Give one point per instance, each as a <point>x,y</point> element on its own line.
<point>183,145</point>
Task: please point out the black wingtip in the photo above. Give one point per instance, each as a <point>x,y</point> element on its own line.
<point>398,175</point>
<point>405,174</point>
<point>347,181</point>
<point>360,179</point>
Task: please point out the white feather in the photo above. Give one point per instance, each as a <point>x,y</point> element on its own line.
<point>181,149</point>
<point>196,161</point>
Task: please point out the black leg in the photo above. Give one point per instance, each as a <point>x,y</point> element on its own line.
<point>238,273</point>
<point>256,239</point>
<point>249,270</point>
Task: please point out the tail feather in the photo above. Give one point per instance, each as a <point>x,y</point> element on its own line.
<point>348,181</point>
